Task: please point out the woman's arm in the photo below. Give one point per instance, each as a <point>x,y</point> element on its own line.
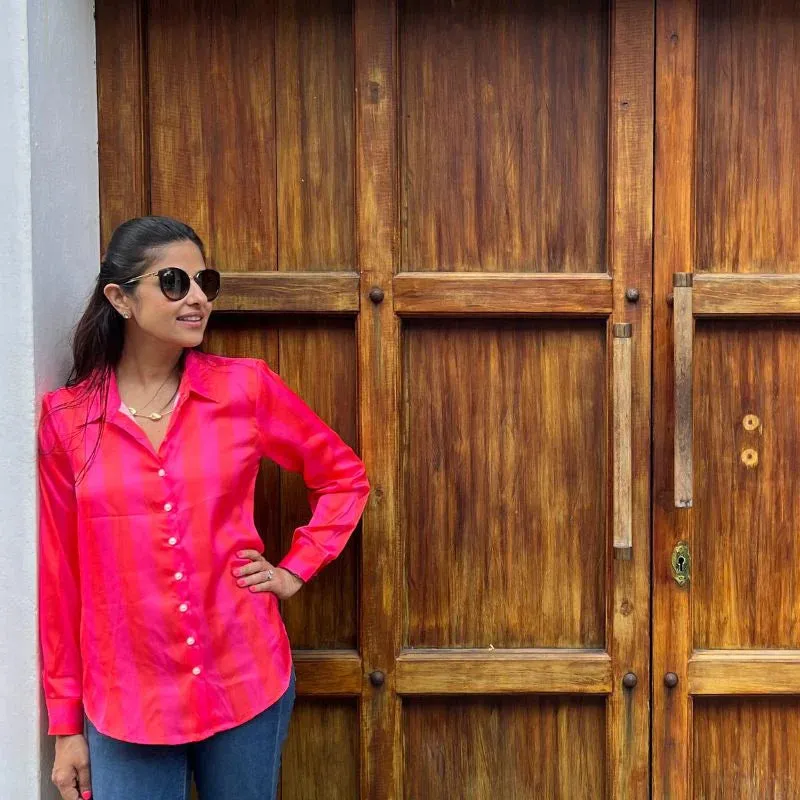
<point>59,585</point>
<point>294,437</point>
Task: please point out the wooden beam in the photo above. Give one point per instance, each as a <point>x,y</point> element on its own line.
<point>746,295</point>
<point>502,294</point>
<point>297,292</point>
<point>328,673</point>
<point>447,672</point>
<point>744,672</point>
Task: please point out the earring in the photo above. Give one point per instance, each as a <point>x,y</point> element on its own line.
<point>126,316</point>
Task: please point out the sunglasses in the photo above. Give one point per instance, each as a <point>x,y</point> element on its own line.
<point>175,282</point>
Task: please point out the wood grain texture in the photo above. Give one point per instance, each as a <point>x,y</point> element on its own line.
<point>623,497</point>
<point>511,748</point>
<point>501,295</point>
<point>298,292</point>
<point>320,758</point>
<point>212,112</point>
<point>122,115</point>
<point>490,179</point>
<point>748,123</point>
<point>314,122</point>
<point>318,361</point>
<point>630,253</point>
<point>735,295</point>
<point>376,76</point>
<point>746,749</point>
<point>673,251</point>
<point>528,671</point>
<point>746,550</point>
<point>505,477</point>
<point>683,337</point>
<point>328,673</point>
<point>744,672</point>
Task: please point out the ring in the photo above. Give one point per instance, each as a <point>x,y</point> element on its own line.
<point>270,573</point>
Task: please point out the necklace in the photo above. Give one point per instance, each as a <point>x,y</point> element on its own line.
<point>155,416</point>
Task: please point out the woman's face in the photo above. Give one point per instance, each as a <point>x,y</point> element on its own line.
<point>164,319</point>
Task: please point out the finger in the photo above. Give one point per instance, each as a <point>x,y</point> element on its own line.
<point>250,569</point>
<point>64,780</point>
<point>84,781</point>
<point>252,554</point>
<point>257,577</point>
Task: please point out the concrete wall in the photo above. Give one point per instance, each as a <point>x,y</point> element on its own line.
<point>49,228</point>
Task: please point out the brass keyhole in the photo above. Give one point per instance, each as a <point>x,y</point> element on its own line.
<point>681,564</point>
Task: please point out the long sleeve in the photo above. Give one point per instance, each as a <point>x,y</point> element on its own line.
<point>59,583</point>
<point>294,437</point>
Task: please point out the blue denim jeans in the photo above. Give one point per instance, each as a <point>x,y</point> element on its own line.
<point>241,763</point>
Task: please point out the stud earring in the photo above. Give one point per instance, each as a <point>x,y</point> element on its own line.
<point>126,316</point>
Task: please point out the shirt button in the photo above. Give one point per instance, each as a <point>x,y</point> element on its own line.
<point>172,540</point>
<point>178,576</point>
<point>162,473</point>
<point>196,670</point>
<point>190,640</point>
<point>183,607</point>
<point>167,506</point>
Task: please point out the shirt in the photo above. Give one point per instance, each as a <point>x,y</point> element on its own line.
<point>142,624</point>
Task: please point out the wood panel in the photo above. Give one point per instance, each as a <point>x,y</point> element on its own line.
<point>375,37</point>
<point>320,758</point>
<point>718,672</point>
<point>122,121</point>
<point>434,294</point>
<point>314,121</point>
<point>505,477</point>
<point>746,550</point>
<point>737,295</point>
<point>673,251</point>
<point>746,749</point>
<point>212,124</point>
<point>493,671</point>
<point>318,361</point>
<point>514,748</point>
<point>748,119</point>
<point>490,180</point>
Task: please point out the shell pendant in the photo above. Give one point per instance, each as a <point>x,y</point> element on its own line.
<point>155,416</point>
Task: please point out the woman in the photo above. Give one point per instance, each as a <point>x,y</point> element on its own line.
<point>164,653</point>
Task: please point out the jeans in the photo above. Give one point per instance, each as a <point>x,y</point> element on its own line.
<point>241,763</point>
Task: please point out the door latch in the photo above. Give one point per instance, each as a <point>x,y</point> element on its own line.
<point>681,563</point>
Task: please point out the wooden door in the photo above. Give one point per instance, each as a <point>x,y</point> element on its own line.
<point>435,220</point>
<point>726,644</point>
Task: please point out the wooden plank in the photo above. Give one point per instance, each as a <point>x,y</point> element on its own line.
<point>744,672</point>
<point>328,673</point>
<point>556,671</point>
<point>122,118</point>
<point>630,252</point>
<point>302,292</point>
<point>746,295</point>
<point>623,500</point>
<point>502,294</point>
<point>376,153</point>
<point>683,337</point>
<point>673,251</point>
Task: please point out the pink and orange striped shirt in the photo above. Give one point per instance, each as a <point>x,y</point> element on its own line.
<point>142,624</point>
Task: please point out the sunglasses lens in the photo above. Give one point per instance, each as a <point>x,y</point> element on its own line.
<point>174,283</point>
<point>209,280</point>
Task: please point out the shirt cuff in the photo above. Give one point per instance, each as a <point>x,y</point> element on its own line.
<point>65,716</point>
<point>304,563</point>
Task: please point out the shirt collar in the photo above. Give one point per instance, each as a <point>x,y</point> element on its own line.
<point>195,380</point>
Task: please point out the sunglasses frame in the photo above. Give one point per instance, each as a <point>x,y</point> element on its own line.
<point>191,278</point>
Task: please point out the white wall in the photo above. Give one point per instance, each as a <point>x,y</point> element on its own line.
<point>50,254</point>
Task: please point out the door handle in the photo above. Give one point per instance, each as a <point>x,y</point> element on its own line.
<point>623,496</point>
<point>683,336</point>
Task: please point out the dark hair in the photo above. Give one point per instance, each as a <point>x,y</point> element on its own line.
<point>99,336</point>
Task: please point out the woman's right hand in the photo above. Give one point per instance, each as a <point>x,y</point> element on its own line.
<point>71,767</point>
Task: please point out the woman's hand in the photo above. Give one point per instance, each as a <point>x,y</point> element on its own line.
<point>261,576</point>
<point>71,767</point>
